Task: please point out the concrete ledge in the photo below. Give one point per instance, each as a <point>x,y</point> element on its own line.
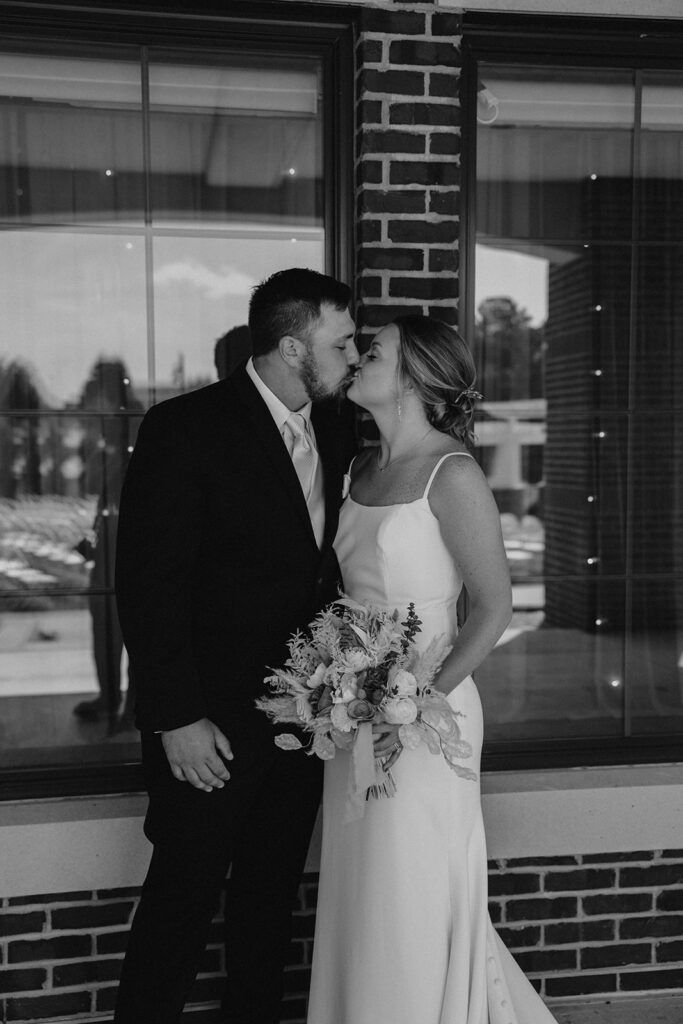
<point>660,1009</point>
<point>81,843</point>
<point>598,8</point>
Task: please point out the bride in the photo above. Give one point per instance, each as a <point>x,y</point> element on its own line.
<point>403,934</point>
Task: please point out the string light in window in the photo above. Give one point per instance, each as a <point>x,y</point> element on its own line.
<point>598,308</point>
<point>591,498</point>
<point>600,622</point>
<point>592,561</point>
<point>615,683</point>
<point>597,373</point>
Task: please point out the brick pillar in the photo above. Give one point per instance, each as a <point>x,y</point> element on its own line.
<point>408,163</point>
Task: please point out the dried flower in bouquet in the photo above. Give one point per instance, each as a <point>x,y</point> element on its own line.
<point>357,665</point>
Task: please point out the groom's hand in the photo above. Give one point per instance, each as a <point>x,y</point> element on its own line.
<point>194,754</point>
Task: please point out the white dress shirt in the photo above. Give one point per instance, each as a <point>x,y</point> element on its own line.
<point>280,413</point>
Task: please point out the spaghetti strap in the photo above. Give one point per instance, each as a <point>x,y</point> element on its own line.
<point>346,483</point>
<point>437,467</point>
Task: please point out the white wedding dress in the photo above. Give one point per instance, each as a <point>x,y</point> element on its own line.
<point>403,934</point>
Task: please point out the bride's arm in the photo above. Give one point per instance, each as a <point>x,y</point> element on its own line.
<point>469,521</point>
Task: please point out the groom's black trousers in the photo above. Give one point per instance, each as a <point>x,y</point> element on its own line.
<point>259,826</point>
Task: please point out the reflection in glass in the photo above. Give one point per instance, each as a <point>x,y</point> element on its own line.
<point>657,485</point>
<point>60,483</point>
<point>558,670</point>
<point>202,290</point>
<point>658,377</point>
<point>555,161</point>
<point>70,140</point>
<point>125,277</point>
<point>585,492</point>
<point>560,485</point>
<point>47,667</point>
<point>661,156</point>
<point>551,322</point>
<point>68,300</point>
<point>655,656</point>
<point>578,344</point>
<point>239,144</point>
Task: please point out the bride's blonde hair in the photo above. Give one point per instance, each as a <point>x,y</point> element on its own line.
<point>437,363</point>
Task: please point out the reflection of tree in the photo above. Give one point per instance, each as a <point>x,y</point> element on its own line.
<point>19,435</point>
<point>180,382</point>
<point>510,356</point>
<point>508,350</point>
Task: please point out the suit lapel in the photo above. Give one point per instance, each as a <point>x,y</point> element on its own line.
<point>262,428</point>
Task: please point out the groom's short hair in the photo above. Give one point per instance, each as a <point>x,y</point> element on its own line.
<point>289,302</point>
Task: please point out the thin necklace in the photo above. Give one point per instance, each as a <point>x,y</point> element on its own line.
<point>402,455</point>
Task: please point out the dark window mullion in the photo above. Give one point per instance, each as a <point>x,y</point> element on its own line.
<point>149,240</point>
<point>632,342</point>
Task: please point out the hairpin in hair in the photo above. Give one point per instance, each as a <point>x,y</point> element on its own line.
<point>469,393</point>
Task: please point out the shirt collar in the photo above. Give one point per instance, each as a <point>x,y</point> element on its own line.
<point>277,409</point>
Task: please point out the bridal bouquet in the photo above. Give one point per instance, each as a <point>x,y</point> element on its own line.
<point>355,666</point>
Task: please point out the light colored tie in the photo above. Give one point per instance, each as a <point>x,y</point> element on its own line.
<point>300,447</point>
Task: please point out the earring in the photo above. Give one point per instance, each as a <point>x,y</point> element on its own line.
<point>399,407</point>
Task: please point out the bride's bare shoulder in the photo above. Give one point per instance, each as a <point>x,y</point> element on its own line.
<point>458,478</point>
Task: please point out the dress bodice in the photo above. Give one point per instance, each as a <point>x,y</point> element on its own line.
<point>392,555</point>
<point>415,943</point>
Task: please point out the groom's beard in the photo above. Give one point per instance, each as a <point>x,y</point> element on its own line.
<point>316,388</point>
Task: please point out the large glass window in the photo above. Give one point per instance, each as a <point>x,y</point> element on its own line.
<point>578,332</point>
<point>143,193</point>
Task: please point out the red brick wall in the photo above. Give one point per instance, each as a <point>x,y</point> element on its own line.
<point>577,925</point>
<point>408,163</point>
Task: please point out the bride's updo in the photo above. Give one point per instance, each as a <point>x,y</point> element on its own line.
<point>437,363</point>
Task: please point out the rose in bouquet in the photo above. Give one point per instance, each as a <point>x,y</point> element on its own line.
<point>354,666</point>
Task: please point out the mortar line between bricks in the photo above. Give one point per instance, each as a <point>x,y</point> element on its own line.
<point>61,933</point>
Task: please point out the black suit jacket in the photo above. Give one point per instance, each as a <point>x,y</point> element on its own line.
<point>216,561</point>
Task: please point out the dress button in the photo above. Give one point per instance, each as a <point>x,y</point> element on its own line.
<point>491,960</point>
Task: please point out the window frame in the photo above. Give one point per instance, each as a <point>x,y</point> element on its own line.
<point>630,44</point>
<point>325,32</point>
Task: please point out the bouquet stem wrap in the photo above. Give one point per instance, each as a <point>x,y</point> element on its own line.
<point>363,774</point>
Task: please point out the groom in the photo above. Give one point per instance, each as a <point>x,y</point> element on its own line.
<point>227,518</point>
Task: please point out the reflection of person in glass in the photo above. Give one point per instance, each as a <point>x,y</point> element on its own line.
<point>228,512</point>
<point>107,391</point>
<point>231,349</point>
